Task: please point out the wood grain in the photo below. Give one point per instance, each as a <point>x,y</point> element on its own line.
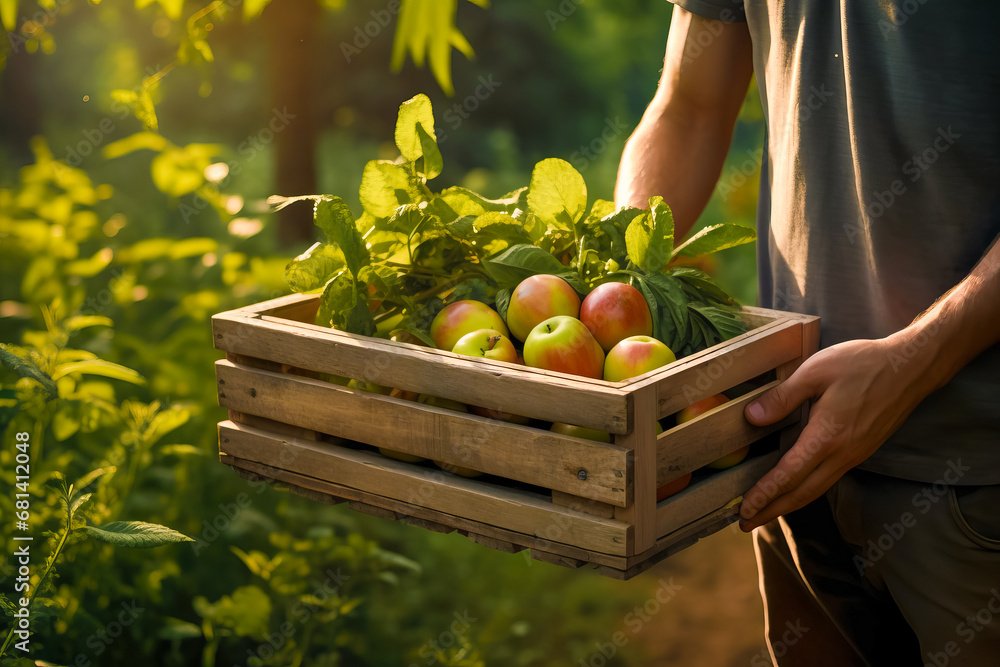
<point>522,453</point>
<point>479,501</point>
<point>508,387</point>
<point>710,436</point>
<point>642,440</point>
<point>710,494</point>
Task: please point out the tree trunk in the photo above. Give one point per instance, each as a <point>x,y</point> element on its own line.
<point>292,29</point>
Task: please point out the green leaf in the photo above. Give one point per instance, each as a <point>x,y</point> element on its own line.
<point>98,367</point>
<point>466,202</point>
<point>251,10</point>
<point>503,302</point>
<point>312,269</point>
<point>27,368</point>
<point>414,114</point>
<point>335,219</point>
<point>613,226</point>
<point>557,193</point>
<point>433,163</point>
<point>649,238</point>
<point>138,141</point>
<point>78,322</point>
<point>385,187</point>
<point>344,308</point>
<point>519,262</point>
<point>175,629</point>
<point>135,534</point>
<point>726,321</point>
<point>715,238</point>
<point>8,14</point>
<point>700,286</point>
<point>246,612</point>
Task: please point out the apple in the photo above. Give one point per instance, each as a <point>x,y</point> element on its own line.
<point>588,433</point>
<point>486,344</point>
<point>634,356</point>
<point>458,470</point>
<point>614,312</point>
<point>700,408</point>
<point>538,298</point>
<point>462,317</point>
<point>438,402</point>
<point>670,488</point>
<point>368,386</point>
<point>500,415</point>
<point>562,343</point>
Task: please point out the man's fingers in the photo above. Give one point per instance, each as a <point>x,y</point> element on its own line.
<point>811,488</point>
<point>779,402</point>
<point>793,468</point>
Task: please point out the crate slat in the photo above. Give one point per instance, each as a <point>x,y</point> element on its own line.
<point>507,387</point>
<point>642,439</point>
<point>710,494</point>
<point>529,455</point>
<point>506,508</point>
<point>710,436</point>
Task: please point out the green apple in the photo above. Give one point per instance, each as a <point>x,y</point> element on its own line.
<point>562,343</point>
<point>538,298</point>
<point>369,386</point>
<point>458,470</point>
<point>462,317</point>
<point>614,312</point>
<point>438,402</point>
<point>588,433</point>
<point>486,344</point>
<point>634,356</point>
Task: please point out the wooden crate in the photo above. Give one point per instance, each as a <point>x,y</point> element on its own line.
<point>571,501</point>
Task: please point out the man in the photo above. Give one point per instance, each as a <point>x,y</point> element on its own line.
<point>880,207</point>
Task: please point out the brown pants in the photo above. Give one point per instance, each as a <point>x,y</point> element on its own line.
<point>884,571</point>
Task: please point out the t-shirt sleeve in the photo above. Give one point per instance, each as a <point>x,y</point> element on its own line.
<point>727,11</point>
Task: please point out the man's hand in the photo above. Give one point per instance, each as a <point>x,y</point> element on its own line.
<point>865,389</point>
<point>863,394</point>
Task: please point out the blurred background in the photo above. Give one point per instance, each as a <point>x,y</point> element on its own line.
<point>139,140</point>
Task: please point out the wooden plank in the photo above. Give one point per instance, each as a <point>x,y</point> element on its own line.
<point>710,436</point>
<point>317,496</point>
<point>738,360</point>
<point>810,345</point>
<point>712,493</point>
<point>494,543</point>
<point>430,525</point>
<point>642,440</point>
<point>526,454</point>
<point>462,525</point>
<point>557,559</point>
<point>578,504</point>
<point>507,387</point>
<point>374,510</point>
<point>671,544</point>
<point>479,501</point>
<point>297,307</point>
<point>273,426</point>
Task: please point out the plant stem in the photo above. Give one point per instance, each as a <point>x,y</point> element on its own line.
<point>48,570</point>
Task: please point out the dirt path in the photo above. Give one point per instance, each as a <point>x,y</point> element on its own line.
<point>716,619</point>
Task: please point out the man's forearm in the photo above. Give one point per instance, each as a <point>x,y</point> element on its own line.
<point>676,153</point>
<point>961,324</point>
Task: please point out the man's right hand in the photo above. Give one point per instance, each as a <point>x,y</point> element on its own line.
<point>678,148</point>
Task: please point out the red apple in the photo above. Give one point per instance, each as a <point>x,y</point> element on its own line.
<point>588,433</point>
<point>614,312</point>
<point>462,317</point>
<point>634,356</point>
<point>670,488</point>
<point>563,344</point>
<point>486,344</point>
<point>700,408</point>
<point>538,298</point>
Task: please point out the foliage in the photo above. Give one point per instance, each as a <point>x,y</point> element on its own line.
<point>413,249</point>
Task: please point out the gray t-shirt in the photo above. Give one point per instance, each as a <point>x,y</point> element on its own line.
<point>882,188</point>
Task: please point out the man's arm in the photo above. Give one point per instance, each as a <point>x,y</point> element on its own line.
<point>865,389</point>
<point>678,148</point>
